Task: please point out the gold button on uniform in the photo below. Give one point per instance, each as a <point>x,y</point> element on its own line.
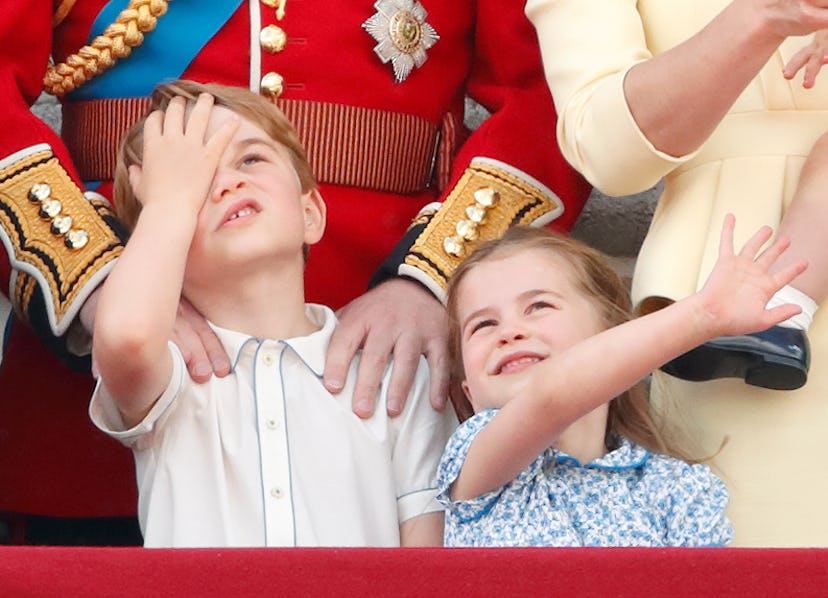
<point>50,208</point>
<point>267,358</point>
<point>40,192</point>
<point>454,246</point>
<point>273,39</point>
<point>61,225</point>
<point>279,5</point>
<point>487,197</point>
<point>76,239</point>
<point>272,84</point>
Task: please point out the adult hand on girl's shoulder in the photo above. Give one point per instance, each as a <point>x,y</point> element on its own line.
<point>734,298</point>
<point>398,318</point>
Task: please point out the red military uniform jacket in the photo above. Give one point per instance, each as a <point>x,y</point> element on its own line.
<point>383,144</point>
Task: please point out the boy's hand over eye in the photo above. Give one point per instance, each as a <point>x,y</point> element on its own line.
<point>179,159</point>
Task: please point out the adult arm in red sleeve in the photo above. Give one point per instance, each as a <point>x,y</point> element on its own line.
<point>57,245</point>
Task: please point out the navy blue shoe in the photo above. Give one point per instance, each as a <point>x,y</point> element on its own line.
<point>776,358</point>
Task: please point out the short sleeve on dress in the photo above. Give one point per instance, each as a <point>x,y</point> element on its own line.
<point>696,512</point>
<point>452,462</point>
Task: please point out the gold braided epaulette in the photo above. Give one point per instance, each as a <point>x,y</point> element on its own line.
<point>116,42</point>
<point>488,199</point>
<point>55,236</point>
<point>62,11</point>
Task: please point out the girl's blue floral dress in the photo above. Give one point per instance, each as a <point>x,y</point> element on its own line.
<point>629,497</point>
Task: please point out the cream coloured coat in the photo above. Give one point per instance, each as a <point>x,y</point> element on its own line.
<point>772,461</point>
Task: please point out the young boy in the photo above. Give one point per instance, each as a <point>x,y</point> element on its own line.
<point>224,206</point>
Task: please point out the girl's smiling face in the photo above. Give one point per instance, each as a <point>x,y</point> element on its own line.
<point>515,311</point>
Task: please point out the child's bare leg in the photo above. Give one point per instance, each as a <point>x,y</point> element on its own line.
<point>780,356</point>
<point>806,224</point>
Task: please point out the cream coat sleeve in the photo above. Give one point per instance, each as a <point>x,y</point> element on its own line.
<point>587,48</point>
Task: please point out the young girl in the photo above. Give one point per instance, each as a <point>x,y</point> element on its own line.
<point>561,450</point>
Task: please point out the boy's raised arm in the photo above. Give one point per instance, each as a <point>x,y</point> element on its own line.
<point>592,372</point>
<point>138,303</point>
<point>136,312</point>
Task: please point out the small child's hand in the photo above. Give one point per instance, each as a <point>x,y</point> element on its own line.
<point>740,285</point>
<point>179,158</point>
<point>812,57</point>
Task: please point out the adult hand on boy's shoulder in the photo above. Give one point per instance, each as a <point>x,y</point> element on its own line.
<point>202,351</point>
<point>398,318</point>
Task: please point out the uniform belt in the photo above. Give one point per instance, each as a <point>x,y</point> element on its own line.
<point>346,145</point>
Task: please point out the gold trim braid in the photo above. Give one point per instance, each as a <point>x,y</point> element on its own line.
<point>62,11</point>
<point>56,237</point>
<point>486,201</point>
<point>116,42</point>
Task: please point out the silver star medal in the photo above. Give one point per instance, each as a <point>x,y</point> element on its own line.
<point>403,35</point>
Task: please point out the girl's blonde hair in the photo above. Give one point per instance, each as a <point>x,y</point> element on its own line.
<point>629,413</point>
<point>252,106</point>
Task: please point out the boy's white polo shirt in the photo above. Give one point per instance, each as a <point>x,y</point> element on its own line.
<point>267,457</point>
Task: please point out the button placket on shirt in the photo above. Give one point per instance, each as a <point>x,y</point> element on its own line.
<point>278,506</point>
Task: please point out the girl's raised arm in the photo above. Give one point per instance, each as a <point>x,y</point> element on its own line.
<point>563,388</point>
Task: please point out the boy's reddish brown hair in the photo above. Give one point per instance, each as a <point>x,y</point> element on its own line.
<point>252,106</point>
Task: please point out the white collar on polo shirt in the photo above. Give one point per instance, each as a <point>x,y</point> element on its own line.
<point>311,348</point>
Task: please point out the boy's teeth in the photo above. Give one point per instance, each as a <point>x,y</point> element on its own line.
<point>242,212</point>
